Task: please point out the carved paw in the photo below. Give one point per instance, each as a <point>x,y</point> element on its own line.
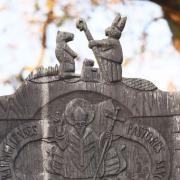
<point>75,55</point>
<point>81,24</point>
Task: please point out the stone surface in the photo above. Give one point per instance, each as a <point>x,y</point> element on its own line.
<point>60,126</point>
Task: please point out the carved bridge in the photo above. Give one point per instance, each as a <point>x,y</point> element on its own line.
<point>98,125</point>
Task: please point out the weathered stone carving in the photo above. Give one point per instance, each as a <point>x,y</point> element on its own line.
<point>62,126</point>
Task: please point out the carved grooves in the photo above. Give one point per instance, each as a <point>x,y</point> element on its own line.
<point>17,106</point>
<point>176,158</point>
<point>41,72</point>
<point>139,84</point>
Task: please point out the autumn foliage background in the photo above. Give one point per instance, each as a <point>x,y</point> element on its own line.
<point>150,41</point>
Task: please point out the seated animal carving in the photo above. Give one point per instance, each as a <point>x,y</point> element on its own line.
<point>64,54</point>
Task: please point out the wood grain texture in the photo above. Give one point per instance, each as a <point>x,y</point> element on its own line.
<point>29,97</point>
<point>38,102</point>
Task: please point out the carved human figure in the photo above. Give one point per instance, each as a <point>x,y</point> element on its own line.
<point>64,54</point>
<point>80,148</point>
<point>108,51</point>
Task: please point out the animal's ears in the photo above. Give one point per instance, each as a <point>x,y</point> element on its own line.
<point>119,22</point>
<point>122,23</point>
<point>116,20</point>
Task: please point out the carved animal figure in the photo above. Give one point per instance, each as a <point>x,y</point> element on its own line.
<point>108,51</point>
<point>89,72</point>
<point>64,54</point>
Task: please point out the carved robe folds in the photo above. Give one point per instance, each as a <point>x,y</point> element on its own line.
<point>81,156</point>
<point>93,126</point>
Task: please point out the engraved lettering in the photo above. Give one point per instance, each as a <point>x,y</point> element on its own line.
<point>8,149</point>
<point>130,129</point>
<point>153,141</point>
<point>14,139</point>
<point>141,132</point>
<point>90,126</point>
<point>27,132</point>
<point>158,147</point>
<point>6,174</point>
<point>35,132</point>
<point>147,136</point>
<point>160,170</point>
<point>4,163</point>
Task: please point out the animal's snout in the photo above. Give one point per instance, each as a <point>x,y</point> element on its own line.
<point>72,36</point>
<point>107,31</point>
<point>69,36</point>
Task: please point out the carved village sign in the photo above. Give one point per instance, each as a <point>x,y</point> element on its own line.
<point>98,125</point>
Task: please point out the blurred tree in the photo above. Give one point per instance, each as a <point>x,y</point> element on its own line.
<point>57,12</point>
<point>171,10</point>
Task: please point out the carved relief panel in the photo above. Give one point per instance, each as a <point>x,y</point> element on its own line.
<point>96,126</point>
<point>84,138</point>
